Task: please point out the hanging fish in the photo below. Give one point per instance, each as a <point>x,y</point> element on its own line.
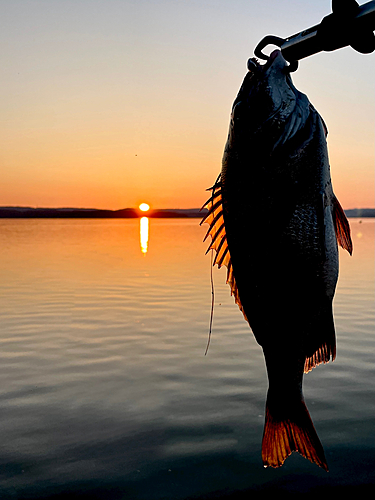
<point>274,222</point>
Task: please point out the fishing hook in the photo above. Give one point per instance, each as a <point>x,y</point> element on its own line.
<point>348,24</point>
<point>273,40</point>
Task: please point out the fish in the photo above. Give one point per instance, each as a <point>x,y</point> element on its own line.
<point>275,223</point>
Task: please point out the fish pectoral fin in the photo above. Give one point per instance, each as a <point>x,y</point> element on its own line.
<point>288,430</point>
<point>342,227</point>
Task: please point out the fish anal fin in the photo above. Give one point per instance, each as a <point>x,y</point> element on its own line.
<point>320,346</point>
<point>324,354</point>
<point>342,227</point>
<point>284,434</point>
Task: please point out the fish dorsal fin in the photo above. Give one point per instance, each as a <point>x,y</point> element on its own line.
<point>215,219</point>
<point>342,227</point>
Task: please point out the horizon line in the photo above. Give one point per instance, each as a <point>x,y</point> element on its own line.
<point>28,207</point>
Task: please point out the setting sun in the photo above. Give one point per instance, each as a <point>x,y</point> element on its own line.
<point>144,207</point>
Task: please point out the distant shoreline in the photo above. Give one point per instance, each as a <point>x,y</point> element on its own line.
<point>125,213</point>
<point>94,213</point>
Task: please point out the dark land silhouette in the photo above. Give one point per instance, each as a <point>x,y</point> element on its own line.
<point>93,213</point>
<point>125,213</point>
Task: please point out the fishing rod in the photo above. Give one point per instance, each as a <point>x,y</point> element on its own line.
<point>349,24</point>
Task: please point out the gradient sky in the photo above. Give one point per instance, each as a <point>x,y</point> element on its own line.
<point>107,103</point>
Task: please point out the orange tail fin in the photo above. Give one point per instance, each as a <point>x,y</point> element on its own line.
<point>292,431</point>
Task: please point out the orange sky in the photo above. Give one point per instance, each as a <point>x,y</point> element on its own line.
<point>109,103</point>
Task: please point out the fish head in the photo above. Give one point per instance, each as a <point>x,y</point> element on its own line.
<point>276,85</point>
<point>266,100</point>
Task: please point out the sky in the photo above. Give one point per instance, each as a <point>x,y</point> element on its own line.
<point>110,103</point>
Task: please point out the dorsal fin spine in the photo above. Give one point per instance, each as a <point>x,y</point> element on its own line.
<point>215,218</point>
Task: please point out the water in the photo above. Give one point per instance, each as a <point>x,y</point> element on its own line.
<point>105,390</point>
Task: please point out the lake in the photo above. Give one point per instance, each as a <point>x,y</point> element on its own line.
<point>105,389</point>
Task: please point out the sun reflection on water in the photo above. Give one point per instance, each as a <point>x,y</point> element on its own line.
<point>143,234</point>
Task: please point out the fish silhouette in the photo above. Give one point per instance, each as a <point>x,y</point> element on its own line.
<point>275,222</point>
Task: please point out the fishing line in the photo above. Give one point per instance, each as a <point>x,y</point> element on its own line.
<point>212,278</point>
<point>212,302</point>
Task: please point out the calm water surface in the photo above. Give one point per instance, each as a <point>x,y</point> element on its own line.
<point>105,390</point>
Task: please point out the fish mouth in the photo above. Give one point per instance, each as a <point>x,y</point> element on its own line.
<point>271,59</point>
<point>274,54</point>
<point>284,66</point>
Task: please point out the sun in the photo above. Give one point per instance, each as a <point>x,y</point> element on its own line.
<point>144,207</point>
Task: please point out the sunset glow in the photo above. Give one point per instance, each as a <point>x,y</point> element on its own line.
<point>144,207</point>
<point>143,234</point>
<point>87,127</point>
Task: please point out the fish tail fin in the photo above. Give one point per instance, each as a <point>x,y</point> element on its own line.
<point>290,430</point>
